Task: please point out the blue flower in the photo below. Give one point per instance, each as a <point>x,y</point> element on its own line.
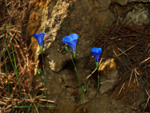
<point>71,40</point>
<point>96,52</point>
<point>39,37</point>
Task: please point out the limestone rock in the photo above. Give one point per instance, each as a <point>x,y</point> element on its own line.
<point>108,69</point>
<point>138,16</point>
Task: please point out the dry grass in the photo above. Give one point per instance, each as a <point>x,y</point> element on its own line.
<point>133,45</point>
<point>14,20</point>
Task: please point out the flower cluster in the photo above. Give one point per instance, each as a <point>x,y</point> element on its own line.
<point>70,40</point>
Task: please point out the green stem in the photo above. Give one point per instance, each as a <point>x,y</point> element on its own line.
<point>8,82</point>
<point>84,106</point>
<point>96,94</point>
<point>8,53</point>
<point>41,49</point>
<point>97,65</point>
<point>31,103</point>
<point>38,105</point>
<point>66,48</point>
<point>74,54</point>
<point>45,84</point>
<point>15,68</point>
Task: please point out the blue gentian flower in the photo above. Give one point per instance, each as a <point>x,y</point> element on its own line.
<point>39,37</point>
<point>96,52</point>
<point>71,40</point>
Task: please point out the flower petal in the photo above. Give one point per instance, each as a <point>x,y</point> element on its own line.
<point>74,36</point>
<point>96,52</point>
<point>39,37</point>
<point>71,40</point>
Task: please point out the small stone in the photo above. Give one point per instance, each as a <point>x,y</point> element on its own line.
<point>122,2</point>
<point>137,17</point>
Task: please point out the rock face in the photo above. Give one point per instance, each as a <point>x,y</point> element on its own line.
<point>89,19</point>
<point>87,23</point>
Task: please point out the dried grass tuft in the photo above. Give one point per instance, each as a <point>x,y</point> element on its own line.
<point>13,23</point>
<point>133,44</point>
